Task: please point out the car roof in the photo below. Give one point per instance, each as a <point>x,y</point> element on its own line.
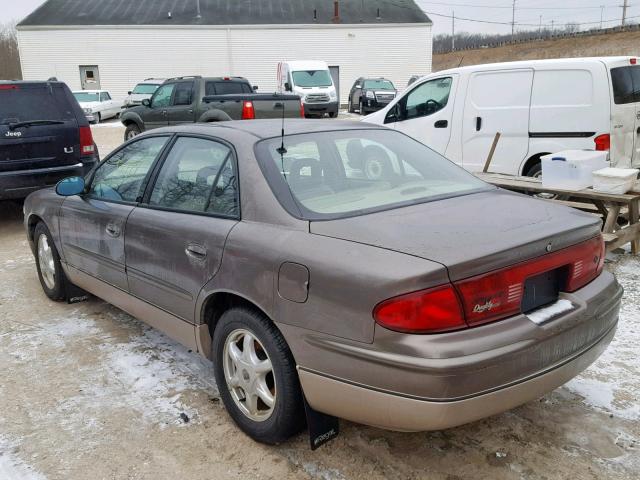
<point>90,91</point>
<point>272,127</point>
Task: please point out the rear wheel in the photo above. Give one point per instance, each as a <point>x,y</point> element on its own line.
<point>351,109</point>
<point>131,131</point>
<point>257,376</point>
<point>50,273</point>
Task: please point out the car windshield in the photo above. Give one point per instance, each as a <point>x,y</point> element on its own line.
<point>312,78</point>
<point>328,175</point>
<point>145,89</point>
<point>379,84</point>
<point>86,96</point>
<point>24,102</point>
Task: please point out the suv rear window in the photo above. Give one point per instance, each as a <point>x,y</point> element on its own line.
<point>226,88</point>
<point>20,103</point>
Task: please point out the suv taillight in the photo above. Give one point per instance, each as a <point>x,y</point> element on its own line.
<point>248,112</point>
<point>87,147</point>
<point>301,109</point>
<point>488,297</point>
<point>603,142</point>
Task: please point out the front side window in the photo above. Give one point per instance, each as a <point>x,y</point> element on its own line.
<point>121,176</point>
<point>162,97</point>
<point>426,99</point>
<point>183,93</point>
<point>330,175</point>
<point>312,78</point>
<point>198,176</point>
<point>104,97</point>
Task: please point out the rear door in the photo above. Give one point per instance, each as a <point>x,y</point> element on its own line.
<point>92,226</point>
<point>176,238</point>
<point>625,83</point>
<point>36,146</point>
<point>181,109</point>
<point>497,101</point>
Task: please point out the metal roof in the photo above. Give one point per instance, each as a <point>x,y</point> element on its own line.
<point>221,12</point>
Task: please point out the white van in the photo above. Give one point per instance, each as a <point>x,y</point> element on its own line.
<point>539,107</point>
<point>312,81</point>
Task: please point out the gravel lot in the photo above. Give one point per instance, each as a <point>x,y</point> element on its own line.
<point>87,392</point>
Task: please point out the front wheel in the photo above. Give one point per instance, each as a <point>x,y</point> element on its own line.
<point>362,110</point>
<point>97,118</point>
<point>257,376</point>
<point>131,131</point>
<point>333,114</point>
<point>50,273</point>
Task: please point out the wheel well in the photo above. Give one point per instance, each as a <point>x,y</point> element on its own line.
<point>31,226</point>
<point>531,162</point>
<point>220,302</point>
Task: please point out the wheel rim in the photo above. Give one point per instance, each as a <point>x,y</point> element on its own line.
<point>249,375</point>
<point>45,260</point>
<point>131,134</point>
<point>544,196</point>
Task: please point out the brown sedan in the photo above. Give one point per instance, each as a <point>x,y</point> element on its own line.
<point>345,262</point>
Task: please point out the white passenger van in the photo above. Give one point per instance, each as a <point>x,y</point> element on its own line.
<point>539,107</point>
<point>312,81</point>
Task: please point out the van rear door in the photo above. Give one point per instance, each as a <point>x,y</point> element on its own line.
<point>497,101</point>
<point>625,83</point>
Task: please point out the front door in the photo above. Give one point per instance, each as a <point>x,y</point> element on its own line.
<point>157,115</point>
<point>89,77</point>
<point>93,225</point>
<point>426,111</point>
<point>176,238</point>
<point>497,101</point>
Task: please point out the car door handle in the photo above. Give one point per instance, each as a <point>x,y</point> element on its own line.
<point>441,124</point>
<point>478,124</point>
<point>113,230</point>
<point>196,251</point>
<point>164,112</point>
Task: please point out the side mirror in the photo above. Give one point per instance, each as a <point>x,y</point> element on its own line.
<point>146,102</point>
<point>393,115</point>
<point>358,86</point>
<point>70,186</point>
<point>255,88</point>
<point>287,87</point>
<point>129,93</point>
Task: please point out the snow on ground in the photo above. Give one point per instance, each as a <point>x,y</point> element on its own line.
<point>11,467</point>
<point>612,383</point>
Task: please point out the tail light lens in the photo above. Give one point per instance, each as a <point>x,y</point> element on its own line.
<point>9,87</point>
<point>301,109</point>
<point>489,297</point>
<point>248,112</point>
<point>87,147</point>
<point>603,142</point>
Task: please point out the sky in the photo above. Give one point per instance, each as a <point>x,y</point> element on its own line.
<point>528,13</point>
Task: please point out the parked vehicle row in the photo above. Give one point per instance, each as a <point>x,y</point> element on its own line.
<point>539,107</point>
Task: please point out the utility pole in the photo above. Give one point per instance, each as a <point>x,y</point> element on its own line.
<point>540,28</point>
<point>453,30</point>
<point>513,19</point>
<point>601,15</point>
<point>624,12</point>
<point>198,15</point>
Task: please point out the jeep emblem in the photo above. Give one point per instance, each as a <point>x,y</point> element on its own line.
<point>13,134</point>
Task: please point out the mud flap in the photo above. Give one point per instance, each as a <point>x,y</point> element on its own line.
<point>75,294</point>
<point>322,428</point>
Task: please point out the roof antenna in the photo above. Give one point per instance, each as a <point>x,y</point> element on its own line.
<point>281,150</point>
<point>198,15</point>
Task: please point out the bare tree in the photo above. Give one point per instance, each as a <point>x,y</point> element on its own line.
<point>9,55</point>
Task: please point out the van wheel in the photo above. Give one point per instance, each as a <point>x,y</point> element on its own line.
<point>50,273</point>
<point>257,377</point>
<point>131,131</point>
<point>535,171</point>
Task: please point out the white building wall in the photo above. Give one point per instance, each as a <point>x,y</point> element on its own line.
<point>125,56</point>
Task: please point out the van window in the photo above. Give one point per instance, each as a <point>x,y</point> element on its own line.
<point>562,88</point>
<point>426,99</point>
<point>626,84</point>
<point>312,78</point>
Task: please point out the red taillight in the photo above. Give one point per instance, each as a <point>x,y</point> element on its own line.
<point>301,109</point>
<point>87,147</point>
<point>603,142</point>
<point>633,61</point>
<point>490,296</point>
<point>9,87</point>
<point>248,112</point>
<point>427,311</point>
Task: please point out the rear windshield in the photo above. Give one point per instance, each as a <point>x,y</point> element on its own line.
<point>86,97</point>
<point>328,175</point>
<point>379,84</point>
<point>145,89</point>
<point>312,78</point>
<point>226,88</point>
<point>626,84</point>
<point>23,103</point>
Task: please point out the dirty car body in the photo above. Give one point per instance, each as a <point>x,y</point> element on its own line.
<point>411,295</point>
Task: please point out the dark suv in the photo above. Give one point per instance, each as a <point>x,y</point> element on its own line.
<point>44,137</point>
<point>370,94</point>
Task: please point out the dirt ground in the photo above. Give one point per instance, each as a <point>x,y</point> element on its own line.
<point>87,392</point>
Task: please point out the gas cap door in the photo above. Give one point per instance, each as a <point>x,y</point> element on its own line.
<point>293,282</point>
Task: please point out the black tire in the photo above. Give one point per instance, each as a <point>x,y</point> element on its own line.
<point>351,109</point>
<point>362,110</point>
<point>535,170</point>
<point>57,291</point>
<point>287,417</point>
<point>131,131</point>
<point>333,114</point>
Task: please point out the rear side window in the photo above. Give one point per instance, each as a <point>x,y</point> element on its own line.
<point>183,93</point>
<point>226,88</point>
<point>626,84</point>
<point>20,103</point>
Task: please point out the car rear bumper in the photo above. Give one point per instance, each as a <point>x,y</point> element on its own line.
<point>320,108</point>
<point>19,184</point>
<point>403,413</point>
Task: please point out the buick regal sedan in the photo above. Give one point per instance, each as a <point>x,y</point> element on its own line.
<point>345,266</point>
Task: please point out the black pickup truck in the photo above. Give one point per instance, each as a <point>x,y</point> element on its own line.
<point>216,99</point>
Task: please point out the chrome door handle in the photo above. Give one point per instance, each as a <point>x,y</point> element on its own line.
<point>113,230</point>
<point>196,251</point>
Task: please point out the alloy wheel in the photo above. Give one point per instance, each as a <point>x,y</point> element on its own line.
<point>46,262</point>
